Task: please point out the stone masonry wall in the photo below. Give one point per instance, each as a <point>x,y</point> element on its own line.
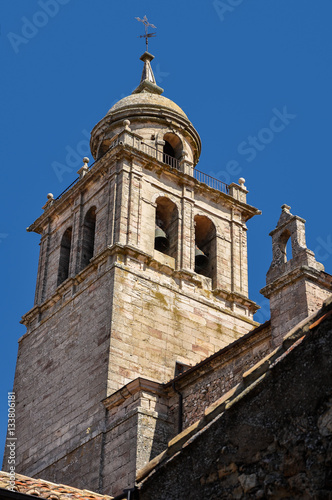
<point>155,324</point>
<point>60,381</point>
<point>317,294</point>
<point>79,467</point>
<point>288,307</point>
<point>137,429</point>
<point>294,302</point>
<point>71,214</point>
<point>210,381</point>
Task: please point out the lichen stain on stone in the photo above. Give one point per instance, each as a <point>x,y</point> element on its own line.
<point>161,299</point>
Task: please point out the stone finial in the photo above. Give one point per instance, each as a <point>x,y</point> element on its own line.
<point>285,208</point>
<point>85,169</point>
<point>148,81</point>
<point>241,182</point>
<point>126,124</point>
<point>50,200</point>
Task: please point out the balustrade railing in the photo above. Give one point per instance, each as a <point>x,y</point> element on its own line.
<point>211,181</point>
<point>136,143</point>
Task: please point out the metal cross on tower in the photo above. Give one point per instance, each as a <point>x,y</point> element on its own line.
<point>146,26</point>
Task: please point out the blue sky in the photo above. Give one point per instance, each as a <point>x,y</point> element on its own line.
<point>254,77</point>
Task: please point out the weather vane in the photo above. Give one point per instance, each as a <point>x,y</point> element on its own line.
<point>146,26</point>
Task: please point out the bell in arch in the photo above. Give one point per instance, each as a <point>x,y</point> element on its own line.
<point>161,242</point>
<point>201,260</point>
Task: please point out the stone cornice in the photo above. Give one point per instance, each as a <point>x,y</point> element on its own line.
<point>121,150</point>
<point>303,272</point>
<point>236,297</point>
<point>148,113</point>
<point>99,168</point>
<point>118,249</point>
<point>137,385</point>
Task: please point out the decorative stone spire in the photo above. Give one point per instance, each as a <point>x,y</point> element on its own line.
<point>148,81</point>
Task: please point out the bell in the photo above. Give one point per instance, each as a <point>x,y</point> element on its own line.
<point>201,260</point>
<point>161,242</point>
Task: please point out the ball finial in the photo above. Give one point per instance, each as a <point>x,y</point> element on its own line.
<point>126,124</point>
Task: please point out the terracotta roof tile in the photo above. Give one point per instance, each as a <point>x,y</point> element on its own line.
<point>47,489</point>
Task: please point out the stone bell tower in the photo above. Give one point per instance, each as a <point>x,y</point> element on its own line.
<point>117,303</point>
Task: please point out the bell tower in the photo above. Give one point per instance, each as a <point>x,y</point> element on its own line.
<point>143,266</point>
<point>296,284</point>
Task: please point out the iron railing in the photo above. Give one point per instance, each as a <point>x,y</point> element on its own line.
<point>162,157</point>
<point>68,187</point>
<point>158,155</point>
<point>212,182</point>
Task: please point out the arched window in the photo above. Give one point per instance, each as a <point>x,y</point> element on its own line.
<point>172,150</point>
<point>289,253</point>
<point>166,235</point>
<point>64,259</point>
<point>205,246</point>
<point>285,245</point>
<point>88,239</point>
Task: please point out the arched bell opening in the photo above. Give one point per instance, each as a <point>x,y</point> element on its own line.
<point>166,227</point>
<point>64,259</point>
<point>172,150</point>
<point>285,246</point>
<point>88,239</point>
<point>205,246</point>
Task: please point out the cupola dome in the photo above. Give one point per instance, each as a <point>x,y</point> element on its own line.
<point>155,118</point>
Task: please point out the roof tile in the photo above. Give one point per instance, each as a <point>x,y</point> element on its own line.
<point>47,489</point>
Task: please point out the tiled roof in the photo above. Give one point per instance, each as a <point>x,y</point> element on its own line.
<point>46,489</point>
